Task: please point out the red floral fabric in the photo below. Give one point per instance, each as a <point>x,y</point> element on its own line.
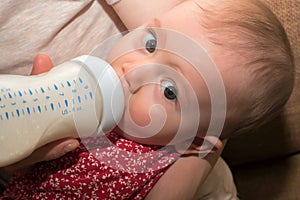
<point>111,168</point>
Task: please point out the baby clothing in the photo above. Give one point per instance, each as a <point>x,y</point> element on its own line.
<point>111,168</point>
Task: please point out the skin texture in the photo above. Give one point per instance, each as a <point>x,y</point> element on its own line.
<point>167,62</point>
<point>143,10</point>
<point>195,169</point>
<point>186,184</point>
<point>191,170</point>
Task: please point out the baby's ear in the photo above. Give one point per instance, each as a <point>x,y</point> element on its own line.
<point>210,144</point>
<point>202,146</point>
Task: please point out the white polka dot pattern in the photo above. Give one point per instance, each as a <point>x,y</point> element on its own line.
<point>123,170</point>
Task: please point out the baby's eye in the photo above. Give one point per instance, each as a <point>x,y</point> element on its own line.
<point>150,42</point>
<point>169,90</point>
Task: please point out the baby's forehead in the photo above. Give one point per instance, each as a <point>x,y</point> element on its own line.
<point>227,5</point>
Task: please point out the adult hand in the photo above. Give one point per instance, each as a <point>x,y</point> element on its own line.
<point>42,63</point>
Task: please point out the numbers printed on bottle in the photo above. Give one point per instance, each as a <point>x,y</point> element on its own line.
<point>64,112</point>
<point>26,102</point>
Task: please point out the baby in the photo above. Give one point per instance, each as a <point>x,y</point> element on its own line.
<point>166,72</point>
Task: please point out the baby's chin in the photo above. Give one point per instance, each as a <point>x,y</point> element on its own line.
<point>155,140</point>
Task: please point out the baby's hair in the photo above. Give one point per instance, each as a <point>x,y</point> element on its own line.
<point>251,30</point>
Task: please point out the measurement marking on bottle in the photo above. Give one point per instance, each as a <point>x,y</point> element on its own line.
<point>52,106</point>
<point>39,109</point>
<point>28,110</point>
<point>66,103</point>
<point>64,112</point>
<point>25,111</point>
<point>5,90</point>
<point>66,106</point>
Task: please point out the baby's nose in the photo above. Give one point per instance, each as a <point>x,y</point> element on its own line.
<point>138,76</point>
<point>126,67</point>
<point>132,76</point>
<point>123,70</point>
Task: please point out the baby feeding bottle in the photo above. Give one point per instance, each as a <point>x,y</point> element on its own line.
<point>79,98</point>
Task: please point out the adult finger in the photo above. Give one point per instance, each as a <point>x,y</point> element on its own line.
<point>49,151</point>
<point>42,63</point>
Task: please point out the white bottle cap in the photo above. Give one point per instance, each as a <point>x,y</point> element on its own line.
<point>110,88</point>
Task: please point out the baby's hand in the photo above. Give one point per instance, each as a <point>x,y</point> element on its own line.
<point>42,63</point>
<point>200,146</point>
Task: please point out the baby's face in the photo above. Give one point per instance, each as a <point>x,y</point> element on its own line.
<point>162,68</point>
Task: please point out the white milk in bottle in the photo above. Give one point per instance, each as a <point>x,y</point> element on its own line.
<point>78,98</point>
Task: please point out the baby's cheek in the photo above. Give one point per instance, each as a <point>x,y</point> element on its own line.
<point>139,109</point>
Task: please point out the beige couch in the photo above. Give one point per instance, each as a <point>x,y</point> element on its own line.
<point>266,163</point>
